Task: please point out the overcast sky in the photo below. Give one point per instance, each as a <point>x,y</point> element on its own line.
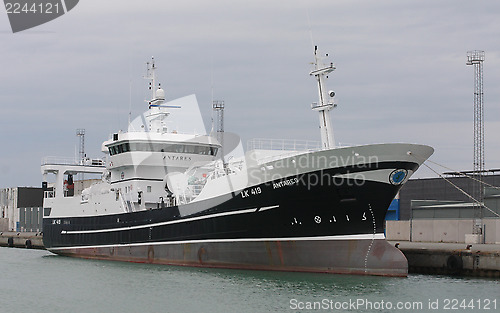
<point>401,73</point>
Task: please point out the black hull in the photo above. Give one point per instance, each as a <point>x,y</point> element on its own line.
<point>336,227</point>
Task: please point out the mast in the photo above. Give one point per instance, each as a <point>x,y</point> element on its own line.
<point>158,111</point>
<point>218,121</point>
<point>150,74</point>
<point>325,103</point>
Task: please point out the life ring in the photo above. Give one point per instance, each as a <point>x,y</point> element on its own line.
<point>454,264</point>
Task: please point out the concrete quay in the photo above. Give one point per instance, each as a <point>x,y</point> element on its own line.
<point>480,260</point>
<point>29,240</point>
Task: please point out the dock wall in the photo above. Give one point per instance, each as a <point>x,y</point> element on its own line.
<point>441,230</point>
<point>480,260</point>
<point>22,240</point>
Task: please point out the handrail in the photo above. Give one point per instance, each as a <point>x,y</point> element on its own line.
<point>59,160</point>
<point>283,144</point>
<point>271,158</point>
<point>54,160</point>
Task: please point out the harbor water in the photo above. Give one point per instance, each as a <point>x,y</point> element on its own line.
<point>38,281</point>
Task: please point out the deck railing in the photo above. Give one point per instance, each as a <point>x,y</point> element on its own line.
<point>59,160</point>
<point>53,160</point>
<point>283,144</point>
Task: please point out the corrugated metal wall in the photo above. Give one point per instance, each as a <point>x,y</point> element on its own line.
<point>14,205</point>
<point>30,219</point>
<point>437,189</point>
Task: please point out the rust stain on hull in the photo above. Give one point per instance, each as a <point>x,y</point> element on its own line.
<point>339,257</point>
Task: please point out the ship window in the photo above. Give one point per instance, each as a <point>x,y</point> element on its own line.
<point>148,188</point>
<point>139,147</point>
<point>158,147</point>
<point>126,147</point>
<point>203,150</point>
<point>190,149</point>
<point>112,150</point>
<point>177,148</point>
<point>121,148</point>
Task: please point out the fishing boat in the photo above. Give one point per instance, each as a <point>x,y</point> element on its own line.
<point>171,193</point>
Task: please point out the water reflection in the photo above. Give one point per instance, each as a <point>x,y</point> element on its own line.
<point>130,287</point>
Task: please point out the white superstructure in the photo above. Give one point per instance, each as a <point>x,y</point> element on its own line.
<point>152,164</point>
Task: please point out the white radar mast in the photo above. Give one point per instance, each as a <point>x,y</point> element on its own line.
<point>157,95</point>
<point>151,76</point>
<point>325,103</point>
<point>157,111</point>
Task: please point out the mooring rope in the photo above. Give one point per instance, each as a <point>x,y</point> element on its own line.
<point>458,188</point>
<point>463,174</point>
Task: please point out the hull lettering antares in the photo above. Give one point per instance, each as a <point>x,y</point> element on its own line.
<point>284,183</point>
<point>172,196</point>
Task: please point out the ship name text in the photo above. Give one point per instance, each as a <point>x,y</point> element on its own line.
<point>287,182</point>
<point>178,158</point>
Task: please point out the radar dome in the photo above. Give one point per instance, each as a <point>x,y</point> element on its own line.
<point>160,94</point>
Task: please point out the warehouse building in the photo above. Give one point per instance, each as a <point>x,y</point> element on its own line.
<point>21,209</point>
<point>432,209</point>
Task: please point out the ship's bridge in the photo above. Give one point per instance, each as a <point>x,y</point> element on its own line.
<point>167,142</point>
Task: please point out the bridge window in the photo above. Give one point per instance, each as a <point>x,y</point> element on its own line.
<point>161,147</point>
<point>120,148</point>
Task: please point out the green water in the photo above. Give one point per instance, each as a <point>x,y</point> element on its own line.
<point>38,281</point>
